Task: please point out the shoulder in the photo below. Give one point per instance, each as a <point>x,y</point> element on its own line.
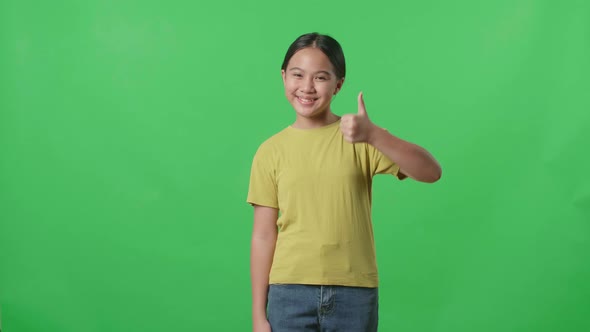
<point>272,144</point>
<point>371,150</point>
<point>277,139</point>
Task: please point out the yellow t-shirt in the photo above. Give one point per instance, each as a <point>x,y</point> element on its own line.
<point>321,185</point>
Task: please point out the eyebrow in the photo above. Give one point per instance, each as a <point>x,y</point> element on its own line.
<point>318,72</point>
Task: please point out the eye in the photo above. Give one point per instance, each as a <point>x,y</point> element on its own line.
<point>321,78</point>
<point>297,75</point>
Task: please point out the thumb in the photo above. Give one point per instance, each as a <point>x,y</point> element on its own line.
<point>362,109</point>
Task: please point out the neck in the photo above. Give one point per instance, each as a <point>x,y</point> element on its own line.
<point>316,122</point>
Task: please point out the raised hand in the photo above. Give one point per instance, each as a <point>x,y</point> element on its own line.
<point>356,128</point>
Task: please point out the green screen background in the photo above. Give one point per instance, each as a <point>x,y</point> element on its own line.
<point>127,129</point>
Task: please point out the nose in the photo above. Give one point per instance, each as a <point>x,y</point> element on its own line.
<point>307,86</point>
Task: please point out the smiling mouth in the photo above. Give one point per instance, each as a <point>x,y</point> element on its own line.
<point>306,101</point>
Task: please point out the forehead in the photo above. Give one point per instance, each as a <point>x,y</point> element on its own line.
<point>311,59</point>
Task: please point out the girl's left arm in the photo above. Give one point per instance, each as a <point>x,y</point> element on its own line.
<point>413,160</point>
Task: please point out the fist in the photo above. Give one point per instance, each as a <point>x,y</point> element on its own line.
<point>356,128</point>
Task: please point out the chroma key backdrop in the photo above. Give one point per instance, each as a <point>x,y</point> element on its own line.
<point>127,131</point>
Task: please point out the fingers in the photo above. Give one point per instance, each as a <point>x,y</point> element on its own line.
<point>362,110</point>
<point>353,126</point>
<point>349,127</point>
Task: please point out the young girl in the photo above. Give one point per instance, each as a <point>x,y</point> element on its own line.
<point>313,265</point>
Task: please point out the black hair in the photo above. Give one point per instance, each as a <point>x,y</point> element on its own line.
<point>326,44</point>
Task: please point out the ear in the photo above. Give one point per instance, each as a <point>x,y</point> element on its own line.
<point>283,75</point>
<point>339,85</point>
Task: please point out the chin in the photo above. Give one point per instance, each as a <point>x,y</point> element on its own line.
<point>310,114</point>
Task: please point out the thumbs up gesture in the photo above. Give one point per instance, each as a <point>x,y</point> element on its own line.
<point>356,128</point>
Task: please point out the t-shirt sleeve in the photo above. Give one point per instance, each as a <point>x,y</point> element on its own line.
<point>380,164</point>
<point>263,184</point>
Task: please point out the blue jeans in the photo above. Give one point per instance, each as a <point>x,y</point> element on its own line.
<point>311,308</point>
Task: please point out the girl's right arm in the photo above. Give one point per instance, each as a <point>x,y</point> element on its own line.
<point>264,238</point>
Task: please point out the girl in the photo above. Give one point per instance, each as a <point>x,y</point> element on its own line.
<point>313,265</point>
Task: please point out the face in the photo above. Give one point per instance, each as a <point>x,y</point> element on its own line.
<point>310,83</point>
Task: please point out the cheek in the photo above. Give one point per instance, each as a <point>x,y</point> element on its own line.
<point>290,86</point>
<point>328,91</point>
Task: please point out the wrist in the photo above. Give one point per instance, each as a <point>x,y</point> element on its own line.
<point>259,318</point>
<point>374,133</point>
<point>259,314</point>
